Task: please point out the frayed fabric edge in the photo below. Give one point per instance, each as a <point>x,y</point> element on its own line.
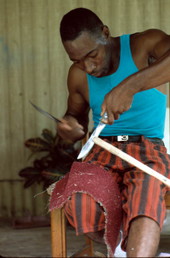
<point>109,250</point>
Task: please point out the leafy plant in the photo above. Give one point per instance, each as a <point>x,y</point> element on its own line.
<point>56,161</point>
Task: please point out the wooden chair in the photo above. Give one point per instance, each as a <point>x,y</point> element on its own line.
<point>58,237</point>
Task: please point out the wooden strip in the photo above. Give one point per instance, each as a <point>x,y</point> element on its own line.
<point>167,200</point>
<point>131,160</point>
<point>58,233</point>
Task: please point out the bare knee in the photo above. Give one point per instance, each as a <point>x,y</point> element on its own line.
<point>143,238</point>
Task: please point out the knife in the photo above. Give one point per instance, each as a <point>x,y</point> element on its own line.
<point>89,144</point>
<point>45,113</point>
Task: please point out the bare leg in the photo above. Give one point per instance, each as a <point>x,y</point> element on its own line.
<point>143,238</point>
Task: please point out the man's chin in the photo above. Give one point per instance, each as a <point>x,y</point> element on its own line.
<point>98,74</point>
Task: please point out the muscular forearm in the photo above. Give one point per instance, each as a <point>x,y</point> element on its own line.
<point>152,76</point>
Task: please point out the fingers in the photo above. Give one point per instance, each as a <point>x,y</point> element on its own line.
<point>64,125</point>
<point>103,110</point>
<point>111,115</point>
<point>70,130</point>
<point>114,111</point>
<point>68,125</point>
<point>116,102</point>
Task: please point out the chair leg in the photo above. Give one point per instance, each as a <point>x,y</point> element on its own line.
<point>58,237</point>
<point>89,243</point>
<point>58,233</point>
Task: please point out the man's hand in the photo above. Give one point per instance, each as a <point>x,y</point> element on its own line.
<point>116,102</point>
<point>70,130</point>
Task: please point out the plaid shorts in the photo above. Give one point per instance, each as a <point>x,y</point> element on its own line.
<point>142,194</point>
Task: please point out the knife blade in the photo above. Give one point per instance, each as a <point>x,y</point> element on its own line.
<point>89,144</point>
<point>45,113</point>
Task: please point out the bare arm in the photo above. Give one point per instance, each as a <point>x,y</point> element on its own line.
<point>149,76</point>
<point>75,121</point>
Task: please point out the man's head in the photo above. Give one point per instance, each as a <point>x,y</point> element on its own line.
<point>87,41</point>
<point>77,21</point>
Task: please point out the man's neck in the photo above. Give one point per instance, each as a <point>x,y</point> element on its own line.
<point>115,54</point>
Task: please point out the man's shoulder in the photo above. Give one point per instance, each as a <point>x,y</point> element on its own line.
<point>75,71</point>
<point>77,77</point>
<point>146,42</point>
<point>149,35</point>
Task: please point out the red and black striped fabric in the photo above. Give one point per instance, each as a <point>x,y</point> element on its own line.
<point>142,194</point>
<point>84,213</point>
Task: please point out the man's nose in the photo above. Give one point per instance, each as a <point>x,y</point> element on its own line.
<point>89,66</point>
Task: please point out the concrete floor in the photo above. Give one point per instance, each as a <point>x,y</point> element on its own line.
<point>35,242</point>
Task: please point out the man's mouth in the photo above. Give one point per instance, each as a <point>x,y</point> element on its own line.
<point>96,74</point>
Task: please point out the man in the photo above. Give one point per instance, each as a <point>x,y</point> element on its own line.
<point>118,75</point>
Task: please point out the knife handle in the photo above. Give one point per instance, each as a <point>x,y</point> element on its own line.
<point>104,117</point>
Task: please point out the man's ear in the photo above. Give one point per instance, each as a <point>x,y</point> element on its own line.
<point>105,32</point>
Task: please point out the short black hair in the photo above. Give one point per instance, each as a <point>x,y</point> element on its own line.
<point>77,21</point>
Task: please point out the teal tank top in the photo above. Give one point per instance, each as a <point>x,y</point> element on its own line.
<point>147,114</point>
